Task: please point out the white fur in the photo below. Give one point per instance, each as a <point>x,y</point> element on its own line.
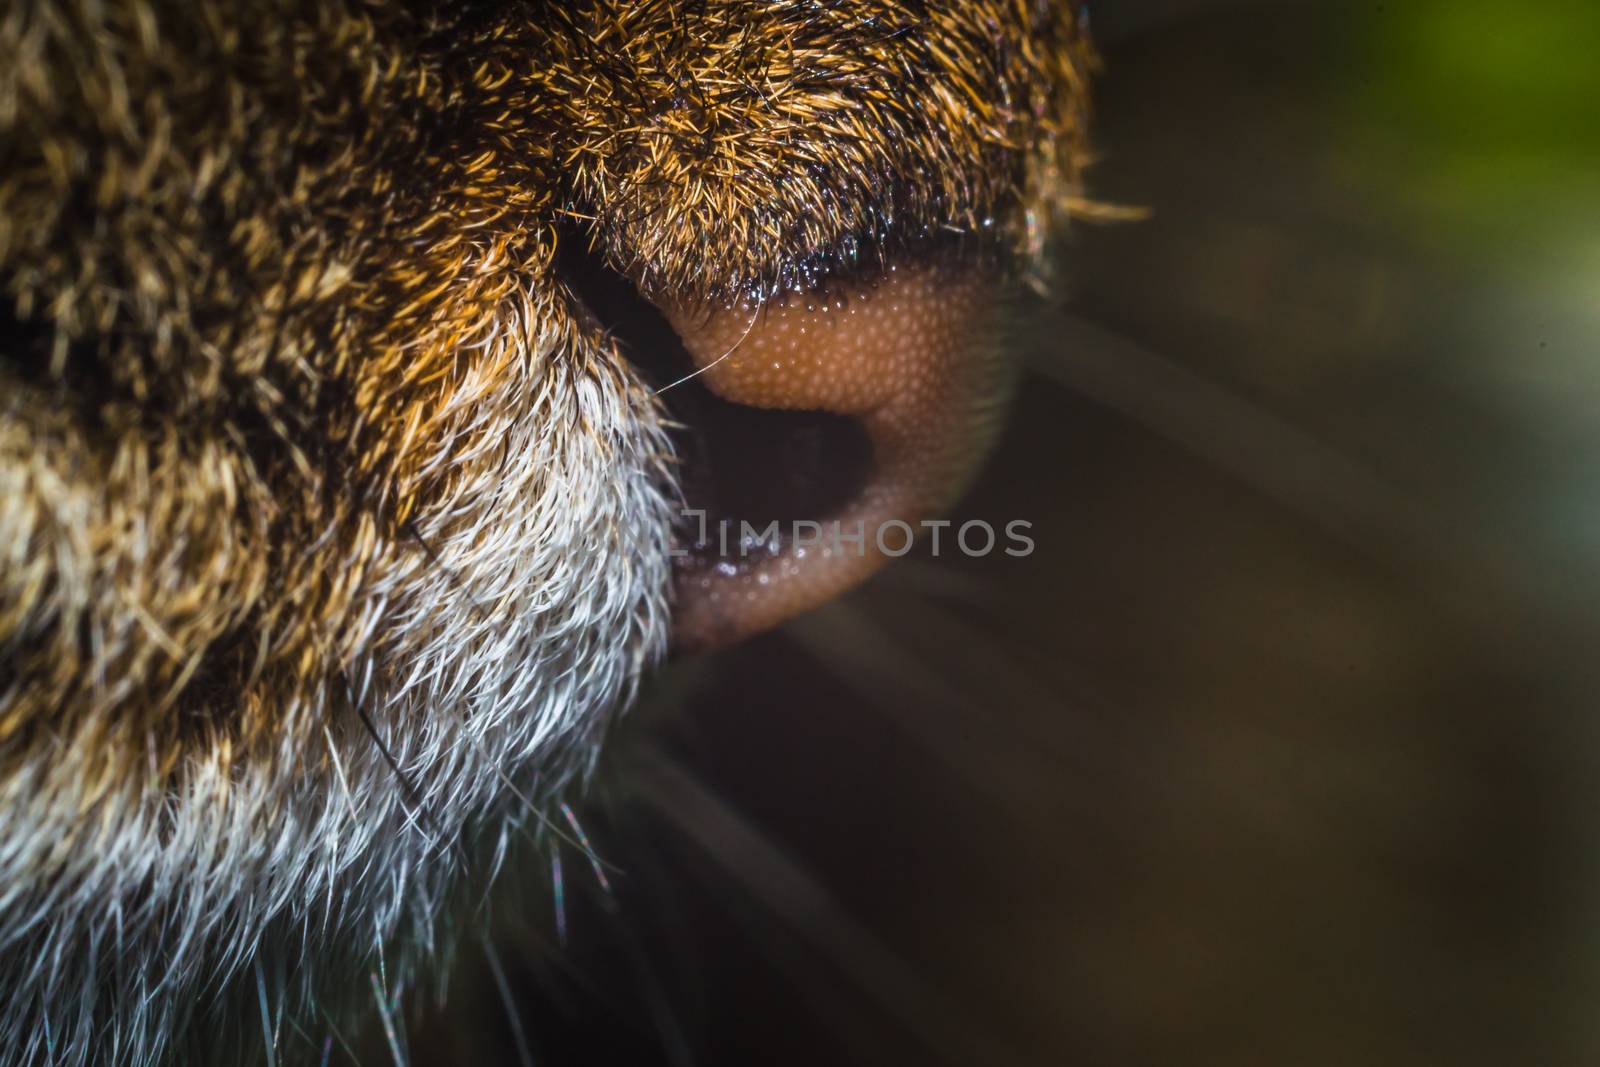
<point>487,672</point>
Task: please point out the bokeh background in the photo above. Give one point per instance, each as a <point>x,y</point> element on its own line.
<point>1281,748</point>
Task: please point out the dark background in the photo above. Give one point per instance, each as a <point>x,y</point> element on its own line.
<point>1280,747</point>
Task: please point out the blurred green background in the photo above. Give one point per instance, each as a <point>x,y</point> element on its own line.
<point>1281,748</point>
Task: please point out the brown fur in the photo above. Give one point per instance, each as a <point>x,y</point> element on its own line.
<point>256,267</point>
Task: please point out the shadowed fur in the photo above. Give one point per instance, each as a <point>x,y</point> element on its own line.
<point>330,522</point>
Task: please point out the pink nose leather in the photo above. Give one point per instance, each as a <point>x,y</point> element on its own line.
<point>915,356</point>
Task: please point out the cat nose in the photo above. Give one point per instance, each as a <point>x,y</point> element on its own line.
<point>909,366</point>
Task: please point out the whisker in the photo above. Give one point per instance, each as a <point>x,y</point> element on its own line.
<point>268,1037</point>
<point>339,1037</point>
<point>407,786</point>
<point>701,370</point>
<point>455,579</point>
<point>533,809</point>
<point>558,891</point>
<point>770,876</point>
<point>384,1014</point>
<point>588,850</point>
<point>1292,466</point>
<point>524,1054</point>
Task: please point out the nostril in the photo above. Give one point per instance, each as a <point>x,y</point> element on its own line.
<point>737,463</point>
<point>761,466</point>
<point>912,360</point>
<point>851,410</point>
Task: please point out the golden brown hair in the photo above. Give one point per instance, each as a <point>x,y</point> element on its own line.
<point>332,524</point>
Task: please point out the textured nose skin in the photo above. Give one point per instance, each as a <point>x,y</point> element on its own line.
<point>916,357</point>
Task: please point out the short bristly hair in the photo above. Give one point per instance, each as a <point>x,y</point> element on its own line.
<point>332,527</point>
